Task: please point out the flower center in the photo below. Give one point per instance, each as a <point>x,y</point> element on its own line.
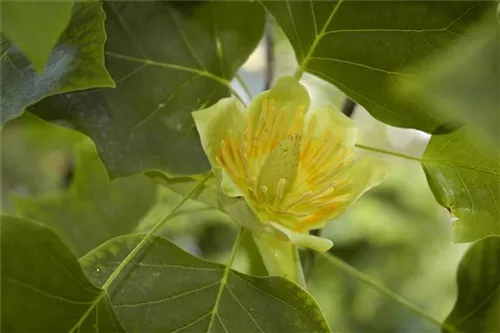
<point>279,170</point>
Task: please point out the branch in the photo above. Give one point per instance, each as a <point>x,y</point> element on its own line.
<point>269,75</point>
<point>348,107</point>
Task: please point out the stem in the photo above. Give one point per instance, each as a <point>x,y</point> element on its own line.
<point>235,247</point>
<point>269,75</point>
<point>281,258</point>
<point>136,250</point>
<point>388,152</point>
<point>244,86</point>
<point>369,281</point>
<point>348,107</point>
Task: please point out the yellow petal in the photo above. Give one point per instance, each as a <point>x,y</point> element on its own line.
<point>329,118</point>
<point>218,122</point>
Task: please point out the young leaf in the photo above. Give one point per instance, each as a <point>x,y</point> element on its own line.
<point>76,62</point>
<point>166,289</point>
<point>94,209</point>
<point>44,288</point>
<point>34,27</point>
<point>478,278</point>
<point>362,47</point>
<point>168,59</point>
<point>464,175</point>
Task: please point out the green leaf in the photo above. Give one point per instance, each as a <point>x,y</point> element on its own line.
<point>44,288</point>
<point>168,59</point>
<point>362,47</point>
<point>166,289</point>
<point>464,175</point>
<point>94,209</point>
<point>76,62</point>
<point>464,80</point>
<point>182,185</point>
<point>35,26</point>
<point>478,278</point>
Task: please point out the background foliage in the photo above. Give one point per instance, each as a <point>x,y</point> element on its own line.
<point>96,112</point>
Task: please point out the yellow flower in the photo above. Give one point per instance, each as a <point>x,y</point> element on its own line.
<point>282,169</point>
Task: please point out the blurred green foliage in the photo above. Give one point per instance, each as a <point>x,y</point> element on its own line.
<point>396,233</point>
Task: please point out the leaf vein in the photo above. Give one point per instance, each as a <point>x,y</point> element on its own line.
<point>44,293</point>
<point>347,62</point>
<point>244,309</point>
<point>272,296</point>
<point>163,300</point>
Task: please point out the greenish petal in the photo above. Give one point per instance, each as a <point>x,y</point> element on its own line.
<point>287,93</point>
<point>304,240</point>
<point>328,117</point>
<point>215,122</point>
<point>239,211</point>
<point>366,173</point>
<point>226,184</point>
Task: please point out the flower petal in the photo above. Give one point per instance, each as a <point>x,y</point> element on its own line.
<point>363,174</point>
<point>216,122</point>
<point>299,239</point>
<point>239,211</point>
<point>287,97</point>
<point>330,118</point>
<point>226,183</point>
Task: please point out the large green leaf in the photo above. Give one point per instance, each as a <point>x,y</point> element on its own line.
<point>44,288</point>
<point>362,47</point>
<point>478,278</point>
<point>76,62</point>
<point>168,59</point>
<point>167,290</point>
<point>464,175</point>
<point>35,26</point>
<point>464,81</point>
<point>94,209</point>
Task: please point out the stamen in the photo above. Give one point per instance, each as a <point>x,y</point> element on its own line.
<point>308,137</point>
<point>291,213</point>
<point>228,158</point>
<point>250,133</point>
<point>298,200</point>
<point>263,191</point>
<point>334,201</point>
<point>217,159</point>
<point>280,189</point>
<point>298,122</point>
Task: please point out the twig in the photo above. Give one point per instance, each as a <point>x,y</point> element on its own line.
<point>269,75</point>
<point>348,107</point>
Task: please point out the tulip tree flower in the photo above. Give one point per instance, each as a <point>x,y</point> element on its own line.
<point>283,170</point>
